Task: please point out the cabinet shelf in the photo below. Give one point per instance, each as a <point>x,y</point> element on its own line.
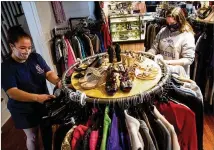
<point>125,30</point>
<point>130,39</point>
<point>135,23</point>
<point>124,21</point>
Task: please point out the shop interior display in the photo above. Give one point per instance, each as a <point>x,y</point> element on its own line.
<point>118,99</point>
<point>202,68</point>
<point>83,37</point>
<point>169,93</point>
<point>119,7</point>
<point>126,28</point>
<point>114,73</point>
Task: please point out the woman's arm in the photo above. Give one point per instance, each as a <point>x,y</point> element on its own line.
<point>52,77</point>
<point>23,96</point>
<point>181,62</point>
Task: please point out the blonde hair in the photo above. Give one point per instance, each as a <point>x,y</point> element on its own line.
<point>178,14</point>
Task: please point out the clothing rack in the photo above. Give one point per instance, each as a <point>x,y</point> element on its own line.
<point>202,68</point>
<point>82,106</point>
<point>152,31</point>
<point>139,97</point>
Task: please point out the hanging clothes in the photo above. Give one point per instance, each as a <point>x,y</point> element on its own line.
<point>93,140</point>
<point>106,36</point>
<point>78,133</point>
<point>82,48</point>
<point>186,130</point>
<point>91,48</point>
<point>102,48</point>
<point>59,54</point>
<point>71,56</point>
<point>113,140</point>
<point>175,144</point>
<point>162,134</point>
<point>106,124</point>
<point>76,47</point>
<point>66,142</point>
<point>95,42</point>
<point>144,131</point>
<point>145,118</point>
<point>133,126</point>
<point>197,108</point>
<point>59,136</point>
<point>86,139</point>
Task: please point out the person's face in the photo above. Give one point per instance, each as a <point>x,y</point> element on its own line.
<point>22,48</point>
<point>171,20</point>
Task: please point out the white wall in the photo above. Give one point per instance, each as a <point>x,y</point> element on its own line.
<point>47,20</point>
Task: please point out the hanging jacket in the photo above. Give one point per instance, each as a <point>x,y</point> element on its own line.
<point>106,36</point>
<point>86,139</point>
<point>162,135</point>
<point>86,44</point>
<point>133,126</point>
<point>90,45</point>
<point>93,140</point>
<point>190,85</point>
<point>65,50</point>
<point>76,47</point>
<point>75,52</point>
<point>178,115</point>
<point>175,144</point>
<point>96,43</point>
<point>102,48</point>
<point>66,142</point>
<point>144,131</point>
<point>145,118</point>
<point>82,47</point>
<point>113,140</point>
<point>59,45</point>
<point>71,56</point>
<point>197,107</point>
<point>106,124</point>
<point>78,133</point>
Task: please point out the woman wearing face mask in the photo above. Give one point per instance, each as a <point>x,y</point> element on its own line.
<point>24,77</point>
<point>175,43</point>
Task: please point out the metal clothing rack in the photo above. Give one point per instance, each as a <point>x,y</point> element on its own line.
<point>136,99</point>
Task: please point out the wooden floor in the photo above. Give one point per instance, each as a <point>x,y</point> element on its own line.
<point>13,139</point>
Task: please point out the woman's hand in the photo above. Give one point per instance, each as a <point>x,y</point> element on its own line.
<point>41,98</point>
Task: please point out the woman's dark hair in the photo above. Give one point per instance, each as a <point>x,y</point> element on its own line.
<point>15,33</point>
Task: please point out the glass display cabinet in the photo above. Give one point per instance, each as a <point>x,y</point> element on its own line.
<point>126,28</point>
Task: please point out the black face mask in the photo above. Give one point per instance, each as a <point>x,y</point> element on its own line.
<point>173,27</point>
